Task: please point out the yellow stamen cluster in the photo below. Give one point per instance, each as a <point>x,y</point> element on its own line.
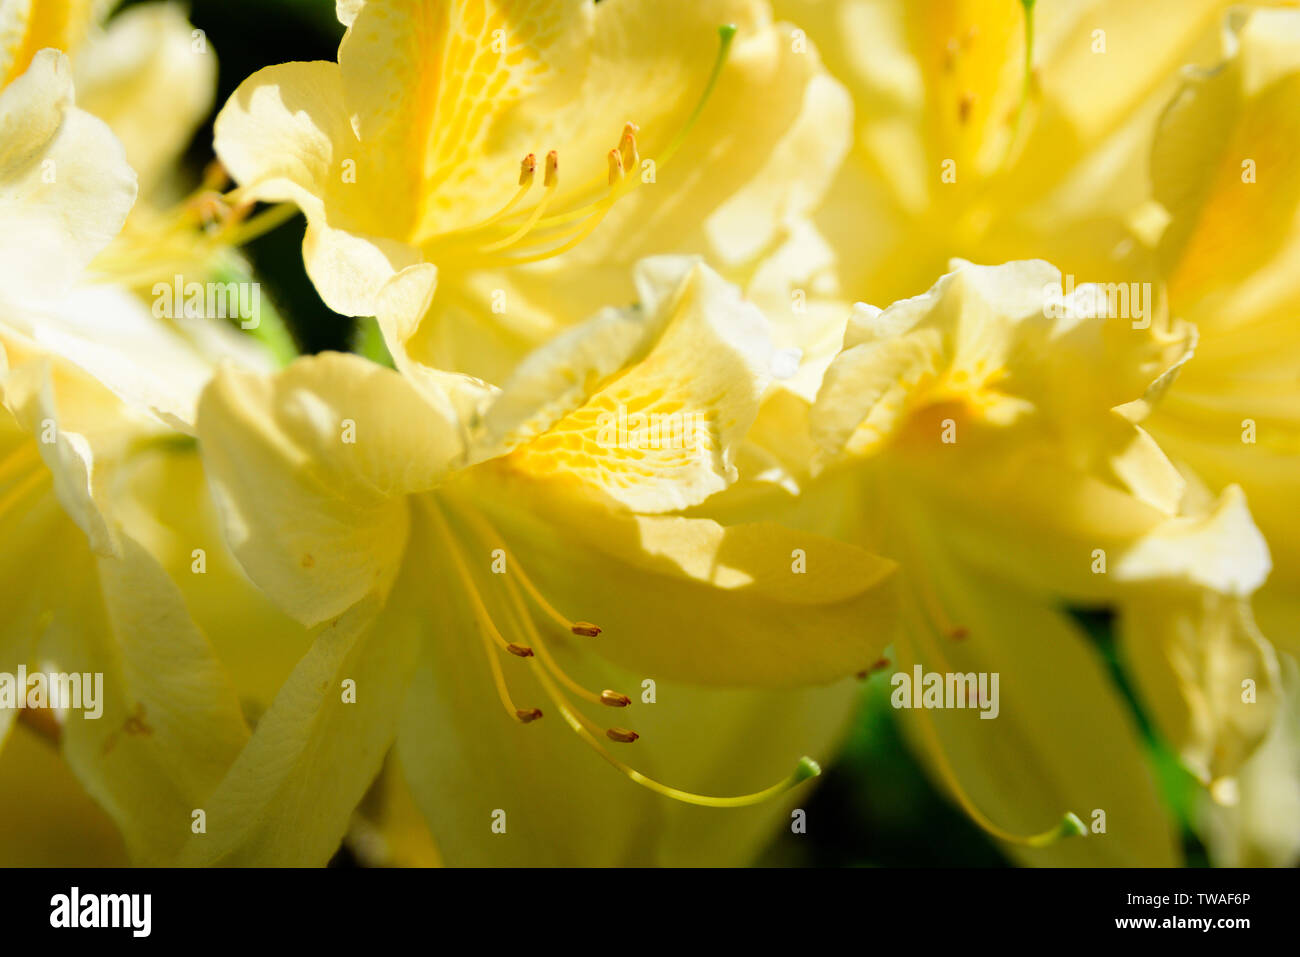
<point>518,587</point>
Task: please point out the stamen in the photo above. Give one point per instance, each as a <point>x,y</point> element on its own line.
<point>526,170</point>
<point>548,661</point>
<point>486,626</point>
<point>542,237</point>
<point>805,769</point>
<point>519,651</point>
<point>215,176</point>
<point>1025,84</point>
<point>1068,826</point>
<point>548,673</point>
<point>587,229</point>
<point>486,533</point>
<point>627,147</point>
<point>238,232</point>
<point>538,212</point>
<point>878,665</point>
<point>43,723</point>
<point>726,34</point>
<point>934,609</point>
<point>964,107</point>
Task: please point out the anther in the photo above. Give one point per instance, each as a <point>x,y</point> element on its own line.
<point>614,699</point>
<point>959,632</point>
<point>522,651</point>
<point>528,715</point>
<point>627,146</point>
<point>621,734</point>
<point>552,176</point>
<point>526,169</point>
<point>215,175</point>
<point>879,664</point>
<point>585,628</point>
<point>615,167</point>
<point>964,107</point>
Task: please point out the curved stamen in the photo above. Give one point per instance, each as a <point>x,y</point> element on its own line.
<point>484,620</point>
<point>486,533</point>
<point>806,768</point>
<point>552,185</point>
<point>548,674</point>
<point>520,610</point>
<point>726,34</point>
<point>1068,826</point>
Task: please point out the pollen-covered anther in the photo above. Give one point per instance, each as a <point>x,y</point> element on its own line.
<point>878,665</point>
<point>614,699</point>
<point>964,107</point>
<point>520,651</point>
<point>627,146</point>
<point>212,209</point>
<point>528,715</point>
<point>215,175</point>
<point>622,735</point>
<point>526,169</point>
<point>615,167</point>
<point>585,628</point>
<point>552,175</point>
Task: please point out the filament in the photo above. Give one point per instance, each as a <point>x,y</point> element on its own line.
<point>554,680</point>
<point>483,618</point>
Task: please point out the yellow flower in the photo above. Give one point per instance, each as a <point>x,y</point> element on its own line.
<point>152,78</point>
<point>28,26</point>
<point>39,254</point>
<point>465,142</point>
<point>83,589</point>
<point>1225,168</point>
<point>968,147</point>
<point>46,819</point>
<point>1258,827</point>
<point>981,435</point>
<point>412,530</point>
<point>82,595</point>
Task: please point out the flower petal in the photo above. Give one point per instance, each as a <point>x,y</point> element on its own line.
<point>1063,739</point>
<point>689,599</point>
<point>144,77</point>
<point>1192,661</point>
<point>287,798</point>
<point>310,468</point>
<point>65,186</point>
<point>651,423</point>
